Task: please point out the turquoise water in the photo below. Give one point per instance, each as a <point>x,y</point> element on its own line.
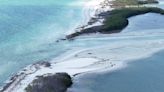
<point>29,29</point>
<point>28,33</point>
<point>35,2</point>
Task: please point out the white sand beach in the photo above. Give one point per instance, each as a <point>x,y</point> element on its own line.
<point>99,59</point>
<point>107,58</point>
<point>71,64</point>
<point>90,10</point>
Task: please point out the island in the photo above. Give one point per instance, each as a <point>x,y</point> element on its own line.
<point>51,77</point>
<point>58,82</point>
<point>116,19</point>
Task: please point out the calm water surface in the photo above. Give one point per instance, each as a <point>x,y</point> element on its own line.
<point>142,75</point>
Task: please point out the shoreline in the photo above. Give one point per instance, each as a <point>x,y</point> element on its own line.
<point>15,79</point>
<point>101,22</point>
<point>86,61</point>
<point>73,65</point>
<point>92,18</point>
<point>22,79</point>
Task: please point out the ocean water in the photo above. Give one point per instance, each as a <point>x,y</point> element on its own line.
<point>138,24</point>
<point>141,75</point>
<point>29,29</point>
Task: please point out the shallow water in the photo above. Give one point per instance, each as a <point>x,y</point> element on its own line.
<point>28,31</point>
<point>142,75</point>
<point>147,22</point>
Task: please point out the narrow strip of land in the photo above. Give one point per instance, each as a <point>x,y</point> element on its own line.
<point>117,19</point>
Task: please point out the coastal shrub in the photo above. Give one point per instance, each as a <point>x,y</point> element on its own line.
<point>52,83</point>
<point>118,18</point>
<point>124,2</point>
<point>147,1</point>
<point>121,3</point>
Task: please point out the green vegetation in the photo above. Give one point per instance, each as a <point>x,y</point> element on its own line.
<point>147,1</point>
<point>52,83</point>
<point>118,18</point>
<point>123,3</point>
